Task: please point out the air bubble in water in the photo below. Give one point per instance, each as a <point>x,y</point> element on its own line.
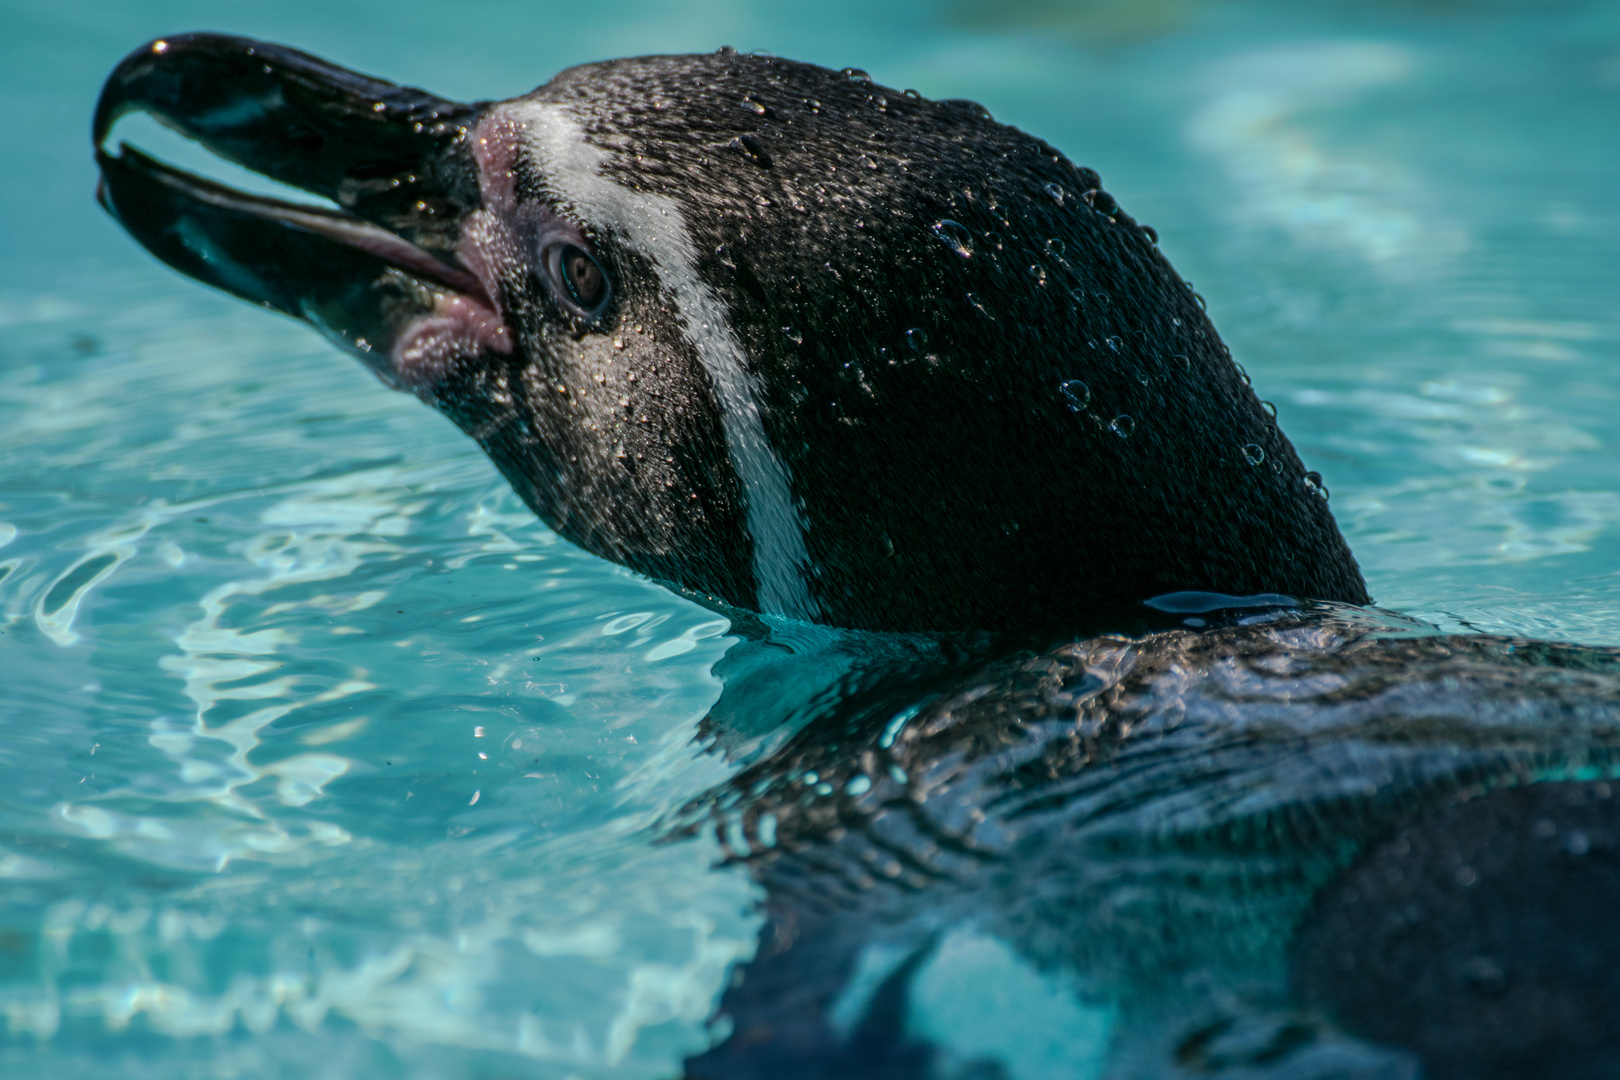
<point>1243,373</point>
<point>1056,247</point>
<point>916,340</point>
<point>955,236</point>
<point>1055,193</point>
<point>793,335</point>
<point>1038,272</point>
<point>856,75</point>
<point>1253,453</point>
<point>1313,484</point>
<point>1122,426</point>
<point>1114,343</point>
<point>1077,393</point>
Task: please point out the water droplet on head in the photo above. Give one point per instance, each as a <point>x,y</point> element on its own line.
<point>1055,193</point>
<point>955,236</point>
<point>723,253</point>
<point>913,95</point>
<point>916,340</point>
<point>855,75</point>
<point>964,105</point>
<point>725,50</point>
<point>1243,373</point>
<point>1077,393</point>
<point>793,335</point>
<point>1113,342</point>
<point>1313,484</point>
<point>1122,426</point>
<point>752,148</point>
<point>1271,410</point>
<point>1253,453</point>
<point>753,106</point>
<point>1056,247</point>
<point>1038,272</point>
<point>1100,201</point>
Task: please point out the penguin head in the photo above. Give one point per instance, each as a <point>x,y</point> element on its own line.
<point>774,334</point>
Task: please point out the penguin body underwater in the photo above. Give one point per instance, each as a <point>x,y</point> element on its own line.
<point>804,346</point>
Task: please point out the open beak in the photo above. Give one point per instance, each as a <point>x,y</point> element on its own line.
<point>394,160</point>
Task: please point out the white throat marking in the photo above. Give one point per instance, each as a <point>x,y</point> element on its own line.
<point>653,225</point>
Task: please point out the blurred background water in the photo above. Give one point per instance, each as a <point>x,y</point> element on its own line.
<point>320,757</point>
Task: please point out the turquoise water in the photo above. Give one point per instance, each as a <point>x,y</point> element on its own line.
<point>320,757</point>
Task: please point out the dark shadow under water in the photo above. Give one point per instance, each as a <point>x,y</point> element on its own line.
<point>1293,841</point>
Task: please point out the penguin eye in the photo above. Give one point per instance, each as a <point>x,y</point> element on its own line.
<point>581,278</point>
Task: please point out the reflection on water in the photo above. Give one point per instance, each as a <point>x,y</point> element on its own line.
<point>507,718</point>
<point>322,758</point>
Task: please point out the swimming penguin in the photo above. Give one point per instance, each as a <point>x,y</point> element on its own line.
<point>805,346</point>
<point>774,334</point>
<point>1302,843</point>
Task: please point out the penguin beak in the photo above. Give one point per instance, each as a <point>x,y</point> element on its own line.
<point>394,161</point>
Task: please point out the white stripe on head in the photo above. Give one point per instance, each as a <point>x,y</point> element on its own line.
<point>654,226</point>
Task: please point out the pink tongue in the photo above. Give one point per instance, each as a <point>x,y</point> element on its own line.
<point>466,324</point>
<point>460,327</point>
<point>472,323</point>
